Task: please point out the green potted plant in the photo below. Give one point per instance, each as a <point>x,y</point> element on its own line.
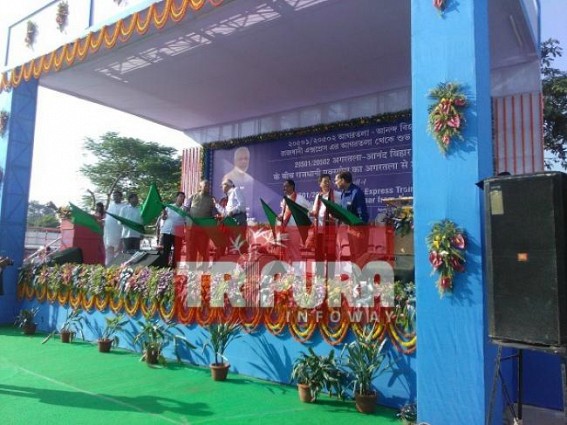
<point>408,414</point>
<point>154,335</point>
<point>108,336</point>
<point>72,325</point>
<point>364,362</point>
<point>314,373</point>
<point>26,320</point>
<point>220,336</point>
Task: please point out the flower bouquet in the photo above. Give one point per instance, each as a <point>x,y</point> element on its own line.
<point>400,218</point>
<point>62,15</point>
<point>440,5</point>
<point>446,245</point>
<point>31,32</point>
<point>4,118</point>
<point>446,118</point>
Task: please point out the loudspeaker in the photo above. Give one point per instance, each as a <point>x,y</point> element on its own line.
<point>525,218</point>
<point>69,255</point>
<point>140,259</point>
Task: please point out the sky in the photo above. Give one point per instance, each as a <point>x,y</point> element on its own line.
<point>58,137</point>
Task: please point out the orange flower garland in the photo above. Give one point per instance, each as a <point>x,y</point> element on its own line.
<point>333,324</point>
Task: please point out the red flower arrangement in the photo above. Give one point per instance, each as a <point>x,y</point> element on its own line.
<point>4,118</point>
<point>446,118</point>
<point>446,245</point>
<point>62,15</point>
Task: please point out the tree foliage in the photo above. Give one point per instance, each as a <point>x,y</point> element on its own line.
<point>41,215</point>
<point>554,85</point>
<point>131,165</point>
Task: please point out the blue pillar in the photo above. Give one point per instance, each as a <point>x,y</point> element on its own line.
<point>16,151</point>
<point>454,357</point>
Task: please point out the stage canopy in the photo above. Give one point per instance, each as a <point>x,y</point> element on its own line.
<point>251,58</point>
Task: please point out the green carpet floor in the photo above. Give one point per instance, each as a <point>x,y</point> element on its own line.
<point>73,383</point>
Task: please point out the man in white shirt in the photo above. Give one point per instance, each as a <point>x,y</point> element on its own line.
<point>131,238</point>
<point>172,230</point>
<point>290,233</point>
<point>113,229</point>
<point>236,209</point>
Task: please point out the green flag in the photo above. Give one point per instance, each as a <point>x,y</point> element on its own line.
<point>129,223</point>
<point>82,218</point>
<point>342,213</point>
<point>302,220</point>
<point>271,216</point>
<point>152,206</point>
<point>178,210</point>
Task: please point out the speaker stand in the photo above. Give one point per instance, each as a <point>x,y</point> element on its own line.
<point>564,386</point>
<point>497,377</point>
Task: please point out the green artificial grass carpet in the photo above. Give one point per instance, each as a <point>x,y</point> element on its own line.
<point>58,383</point>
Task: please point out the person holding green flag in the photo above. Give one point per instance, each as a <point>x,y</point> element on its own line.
<point>290,235</point>
<point>354,201</point>
<point>131,238</point>
<point>172,230</point>
<point>112,229</point>
<point>200,206</point>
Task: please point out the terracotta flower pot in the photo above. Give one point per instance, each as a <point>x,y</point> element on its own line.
<point>219,371</point>
<point>305,393</point>
<point>104,345</point>
<point>66,336</point>
<point>152,356</point>
<point>29,328</point>
<point>366,403</point>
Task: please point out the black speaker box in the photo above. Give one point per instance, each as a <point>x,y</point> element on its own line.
<point>525,218</point>
<point>140,259</point>
<point>69,255</point>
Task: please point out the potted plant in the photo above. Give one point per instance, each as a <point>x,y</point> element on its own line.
<point>314,373</point>
<point>26,320</point>
<point>108,336</point>
<point>220,336</point>
<point>364,362</point>
<point>408,414</point>
<point>72,325</point>
<point>154,335</point>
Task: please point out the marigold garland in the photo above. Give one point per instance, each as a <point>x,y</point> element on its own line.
<point>116,303</point>
<point>88,301</point>
<point>446,117</point>
<point>95,286</point>
<point>75,299</point>
<point>53,296</point>
<point>167,310</point>
<point>40,293</point>
<point>137,23</point>
<point>446,244</point>
<point>102,301</point>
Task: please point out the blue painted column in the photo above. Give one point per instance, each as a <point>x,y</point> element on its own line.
<point>454,357</point>
<point>16,151</point>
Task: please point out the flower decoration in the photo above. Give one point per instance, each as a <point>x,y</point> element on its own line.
<point>62,15</point>
<point>446,245</point>
<point>440,5</point>
<point>404,304</point>
<point>400,218</point>
<point>446,118</point>
<point>4,118</point>
<point>31,33</point>
<point>64,213</point>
